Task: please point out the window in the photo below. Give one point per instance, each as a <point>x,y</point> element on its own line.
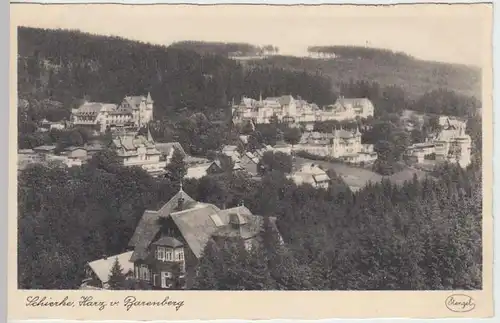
<point>169,255</point>
<point>144,272</point>
<point>180,255</point>
<point>160,253</point>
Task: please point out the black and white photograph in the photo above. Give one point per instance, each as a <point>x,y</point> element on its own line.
<point>276,149</point>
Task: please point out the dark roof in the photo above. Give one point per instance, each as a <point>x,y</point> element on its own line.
<point>197,224</point>
<point>168,242</point>
<point>149,226</point>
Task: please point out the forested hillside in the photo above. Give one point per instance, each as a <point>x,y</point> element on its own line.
<point>415,77</point>
<point>67,66</point>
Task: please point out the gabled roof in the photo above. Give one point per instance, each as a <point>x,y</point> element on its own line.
<point>198,171</point>
<point>102,267</point>
<point>353,101</point>
<point>135,101</point>
<point>197,224</point>
<point>166,147</point>
<point>168,242</point>
<point>149,226</point>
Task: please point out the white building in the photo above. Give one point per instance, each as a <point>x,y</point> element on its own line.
<point>288,109</point>
<point>451,144</point>
<point>340,144</point>
<point>134,110</point>
<point>138,150</point>
<point>348,109</point>
<point>263,110</point>
<point>311,174</point>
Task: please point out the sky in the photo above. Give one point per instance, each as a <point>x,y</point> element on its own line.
<point>447,33</point>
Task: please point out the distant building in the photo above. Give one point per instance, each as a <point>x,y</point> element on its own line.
<point>264,110</point>
<point>201,170</point>
<point>167,150</point>
<point>290,110</point>
<point>282,147</point>
<point>339,144</point>
<point>138,150</point>
<point>134,110</point>
<point>232,152</point>
<point>348,109</point>
<point>311,174</point>
<point>250,163</point>
<point>170,241</point>
<point>77,154</point>
<point>46,125</point>
<point>450,144</point>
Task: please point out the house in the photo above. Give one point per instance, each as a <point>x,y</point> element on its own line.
<point>339,144</point>
<point>169,242</point>
<point>290,110</point>
<point>311,174</point>
<point>250,163</point>
<point>448,122</point>
<point>140,107</point>
<point>167,150</point>
<point>138,150</point>
<point>97,272</point>
<point>45,149</point>
<point>46,125</point>
<point>93,148</point>
<point>76,153</point>
<point>137,110</point>
<point>200,170</point>
<point>231,151</point>
<point>348,109</point>
<point>451,144</point>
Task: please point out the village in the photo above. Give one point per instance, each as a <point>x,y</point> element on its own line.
<point>154,254</point>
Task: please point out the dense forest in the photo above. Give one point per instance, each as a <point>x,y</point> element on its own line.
<point>422,235</point>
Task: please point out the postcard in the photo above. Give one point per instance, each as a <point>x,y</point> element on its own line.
<point>250,161</point>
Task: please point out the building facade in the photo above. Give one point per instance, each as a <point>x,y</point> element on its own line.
<point>340,144</point>
<point>290,110</point>
<point>311,174</point>
<point>348,109</point>
<point>451,144</point>
<point>138,150</point>
<point>136,111</point>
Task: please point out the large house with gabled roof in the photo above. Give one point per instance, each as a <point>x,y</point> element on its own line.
<point>170,241</point>
<point>133,110</point>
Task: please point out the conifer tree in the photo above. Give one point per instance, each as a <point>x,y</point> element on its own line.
<point>116,277</point>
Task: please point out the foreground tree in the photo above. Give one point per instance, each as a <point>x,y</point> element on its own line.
<point>177,168</point>
<point>116,277</point>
